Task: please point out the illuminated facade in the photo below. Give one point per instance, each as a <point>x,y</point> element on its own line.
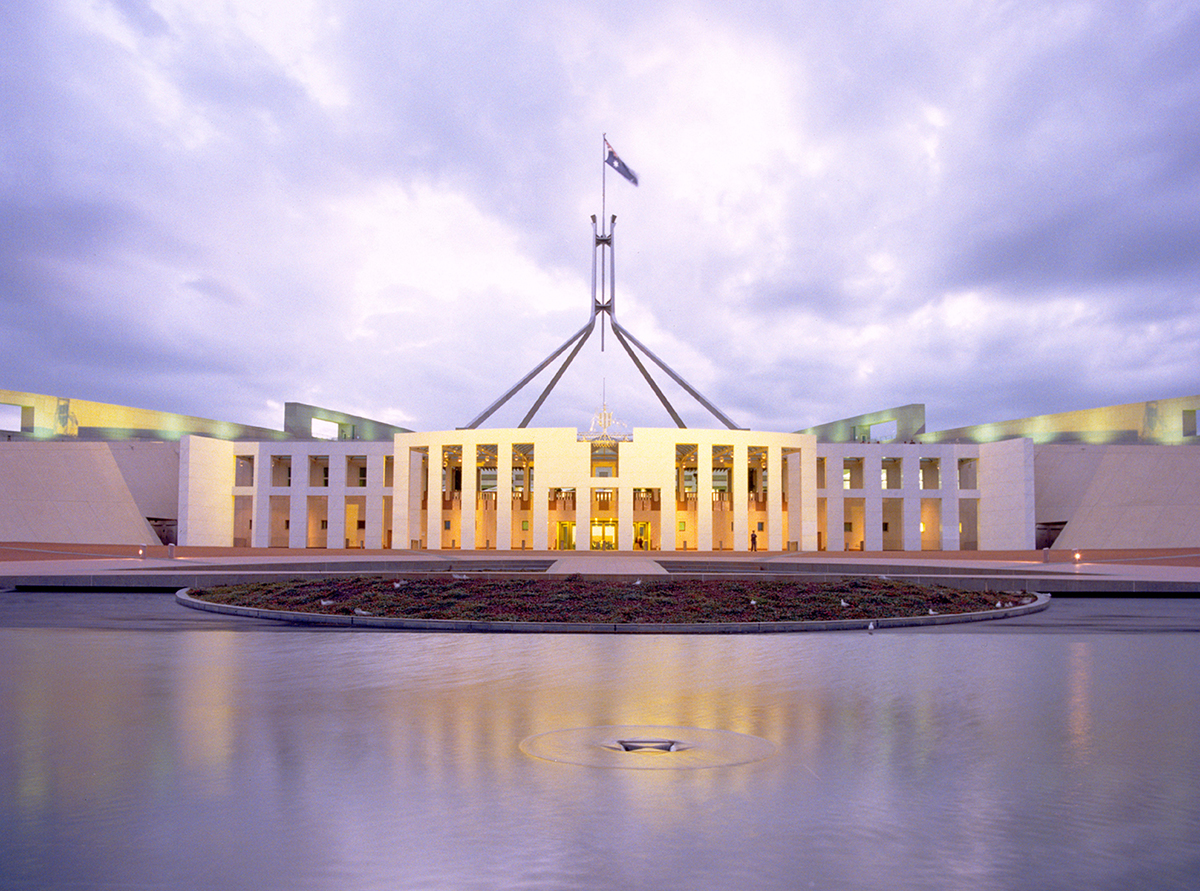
<point>659,490</point>
<point>874,483</point>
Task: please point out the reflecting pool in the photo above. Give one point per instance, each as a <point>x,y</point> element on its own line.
<point>143,745</point>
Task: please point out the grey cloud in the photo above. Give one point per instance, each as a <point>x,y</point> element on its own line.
<point>1068,164</point>
<point>66,228</point>
<point>142,16</point>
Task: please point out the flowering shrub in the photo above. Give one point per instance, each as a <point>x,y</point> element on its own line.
<point>574,599</point>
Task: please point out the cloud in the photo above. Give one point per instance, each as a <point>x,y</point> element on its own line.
<point>989,209</point>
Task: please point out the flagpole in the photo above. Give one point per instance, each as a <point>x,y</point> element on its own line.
<point>603,222</point>
<point>603,179</point>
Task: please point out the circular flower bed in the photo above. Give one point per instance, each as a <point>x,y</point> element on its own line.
<point>574,599</point>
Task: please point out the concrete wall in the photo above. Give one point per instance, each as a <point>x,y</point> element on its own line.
<point>1006,505</point>
<point>913,489</point>
<point>308,507</point>
<point>206,476</point>
<point>43,417</point>
<point>1123,496</point>
<point>909,421</point>
<point>1160,421</point>
<point>1062,474</point>
<point>1109,496</point>
<point>69,492</point>
<point>151,470</point>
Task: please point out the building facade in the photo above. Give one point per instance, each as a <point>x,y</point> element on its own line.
<point>1124,476</point>
<point>655,490</point>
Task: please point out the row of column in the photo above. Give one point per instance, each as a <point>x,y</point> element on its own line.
<point>800,478</point>
<point>336,494</point>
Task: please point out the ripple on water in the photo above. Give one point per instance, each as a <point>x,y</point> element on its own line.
<point>647,747</point>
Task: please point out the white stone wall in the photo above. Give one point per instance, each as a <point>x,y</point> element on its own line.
<point>1133,497</point>
<point>206,476</point>
<point>67,492</point>
<point>1007,498</point>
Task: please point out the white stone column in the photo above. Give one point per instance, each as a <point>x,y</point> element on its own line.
<point>873,499</point>
<point>419,468</point>
<point>260,534</point>
<point>774,499</point>
<point>951,535</point>
<point>401,484</point>
<point>835,509</point>
<point>665,480</point>
<point>298,505</point>
<point>795,493</point>
<point>336,505</point>
<point>809,525</point>
<point>433,513</point>
<point>504,495</point>
<point>373,536</point>
<point>469,502</point>
<point>703,536</point>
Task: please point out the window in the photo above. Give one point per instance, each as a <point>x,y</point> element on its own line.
<point>605,459</point>
<point>889,475</point>
<point>10,418</point>
<point>722,464</point>
<point>324,429</point>
<point>281,470</point>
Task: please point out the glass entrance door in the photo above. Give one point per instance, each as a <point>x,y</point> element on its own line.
<point>604,535</point>
<point>566,535</point>
<point>641,536</point>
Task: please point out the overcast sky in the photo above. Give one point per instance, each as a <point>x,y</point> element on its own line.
<point>214,207</point>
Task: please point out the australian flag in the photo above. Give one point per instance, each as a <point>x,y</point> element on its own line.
<point>613,161</point>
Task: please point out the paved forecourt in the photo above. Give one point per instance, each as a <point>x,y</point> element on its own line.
<point>131,568</point>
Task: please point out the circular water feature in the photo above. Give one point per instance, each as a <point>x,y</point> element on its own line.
<point>640,747</point>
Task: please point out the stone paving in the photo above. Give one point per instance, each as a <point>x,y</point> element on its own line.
<point>1150,572</point>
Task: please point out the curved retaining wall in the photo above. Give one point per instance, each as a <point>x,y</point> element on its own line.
<point>1040,603</point>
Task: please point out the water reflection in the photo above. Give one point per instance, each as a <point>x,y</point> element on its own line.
<point>332,759</point>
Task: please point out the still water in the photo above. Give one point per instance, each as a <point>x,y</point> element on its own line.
<point>146,746</point>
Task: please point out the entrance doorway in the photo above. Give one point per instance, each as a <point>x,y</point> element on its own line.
<point>566,535</point>
<point>604,535</point>
<point>641,536</point>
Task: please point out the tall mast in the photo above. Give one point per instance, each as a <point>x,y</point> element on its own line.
<point>604,303</point>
